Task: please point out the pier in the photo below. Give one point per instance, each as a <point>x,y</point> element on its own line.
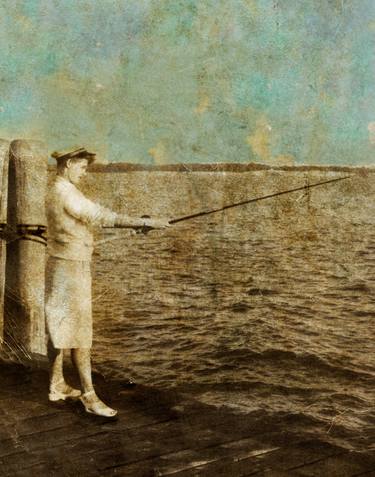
<point>157,433</point>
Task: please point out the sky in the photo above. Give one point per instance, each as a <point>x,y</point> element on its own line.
<point>158,82</point>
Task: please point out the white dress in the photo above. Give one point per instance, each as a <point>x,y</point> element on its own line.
<point>68,306</point>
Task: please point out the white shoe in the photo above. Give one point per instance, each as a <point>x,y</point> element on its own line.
<point>56,394</point>
<point>94,405</point>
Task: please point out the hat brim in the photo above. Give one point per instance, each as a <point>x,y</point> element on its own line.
<point>90,159</point>
<point>81,153</point>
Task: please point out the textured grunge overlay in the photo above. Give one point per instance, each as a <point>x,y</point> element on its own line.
<point>232,343</point>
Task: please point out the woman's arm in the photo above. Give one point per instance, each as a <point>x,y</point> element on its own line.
<point>91,213</point>
<point>126,221</point>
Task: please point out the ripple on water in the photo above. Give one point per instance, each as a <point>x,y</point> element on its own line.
<point>252,323</point>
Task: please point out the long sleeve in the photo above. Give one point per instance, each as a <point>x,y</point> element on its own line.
<point>71,216</point>
<point>83,209</point>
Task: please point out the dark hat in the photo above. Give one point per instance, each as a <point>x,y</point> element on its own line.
<point>80,153</point>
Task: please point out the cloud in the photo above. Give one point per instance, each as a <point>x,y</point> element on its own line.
<point>203,104</point>
<point>260,140</point>
<point>159,153</point>
<point>260,143</point>
<point>371,132</point>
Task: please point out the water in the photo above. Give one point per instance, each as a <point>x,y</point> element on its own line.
<point>255,309</point>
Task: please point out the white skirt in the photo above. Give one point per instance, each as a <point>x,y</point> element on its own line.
<point>68,306</point>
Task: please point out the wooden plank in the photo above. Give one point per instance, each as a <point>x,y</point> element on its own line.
<point>344,465</point>
<point>276,473</point>
<point>10,446</point>
<point>367,473</point>
<point>186,453</point>
<point>187,463</point>
<point>215,461</point>
<point>60,467</point>
<point>292,457</point>
<point>242,458</point>
<point>64,441</point>
<point>34,426</point>
<point>12,463</point>
<point>124,449</point>
<point>189,439</point>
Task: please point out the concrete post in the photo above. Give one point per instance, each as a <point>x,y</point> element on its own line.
<point>24,323</point>
<point>4,156</point>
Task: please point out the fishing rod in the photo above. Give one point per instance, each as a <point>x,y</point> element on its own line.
<point>256,199</point>
<point>145,229</point>
<point>38,235</point>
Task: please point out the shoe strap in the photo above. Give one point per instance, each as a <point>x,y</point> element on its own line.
<point>89,393</point>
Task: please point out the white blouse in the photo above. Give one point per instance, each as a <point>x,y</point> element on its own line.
<point>70,217</point>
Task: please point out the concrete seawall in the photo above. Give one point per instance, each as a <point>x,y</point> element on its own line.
<point>172,194</point>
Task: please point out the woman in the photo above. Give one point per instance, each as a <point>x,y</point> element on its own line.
<point>70,218</point>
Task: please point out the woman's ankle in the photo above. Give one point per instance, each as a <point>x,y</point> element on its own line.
<point>56,382</point>
<point>89,391</point>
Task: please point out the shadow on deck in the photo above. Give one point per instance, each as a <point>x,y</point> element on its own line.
<point>157,433</point>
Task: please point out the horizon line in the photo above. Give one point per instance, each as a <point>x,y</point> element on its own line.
<point>219,167</point>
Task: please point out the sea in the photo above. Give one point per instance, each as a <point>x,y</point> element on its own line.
<point>267,307</point>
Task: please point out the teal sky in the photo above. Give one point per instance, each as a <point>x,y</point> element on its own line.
<point>271,81</point>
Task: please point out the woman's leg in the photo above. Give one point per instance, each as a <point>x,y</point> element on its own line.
<point>58,388</point>
<point>56,360</point>
<point>82,360</point>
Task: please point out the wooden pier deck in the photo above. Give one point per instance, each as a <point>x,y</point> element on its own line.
<point>157,433</point>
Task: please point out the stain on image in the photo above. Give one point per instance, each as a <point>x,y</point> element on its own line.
<point>186,249</point>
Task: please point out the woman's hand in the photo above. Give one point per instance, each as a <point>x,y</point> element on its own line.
<point>143,223</point>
